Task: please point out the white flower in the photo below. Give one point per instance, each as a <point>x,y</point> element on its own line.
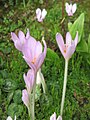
<point>9,118</point>
<point>71,9</point>
<point>40,15</point>
<point>53,117</point>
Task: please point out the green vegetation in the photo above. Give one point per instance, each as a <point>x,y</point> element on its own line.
<point>12,65</point>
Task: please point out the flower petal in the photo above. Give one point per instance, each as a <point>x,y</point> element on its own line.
<point>29,48</point>
<point>74,7</point>
<point>15,117</point>
<point>68,39</point>
<point>38,13</point>
<point>21,37</point>
<point>14,37</point>
<point>59,118</point>
<point>28,34</point>
<point>9,118</point>
<point>53,117</point>
<point>70,51</point>
<point>41,57</point>
<point>25,97</point>
<point>67,7</point>
<point>60,43</point>
<point>44,13</point>
<point>18,45</point>
<point>38,49</point>
<point>18,42</point>
<point>31,65</point>
<point>29,80</point>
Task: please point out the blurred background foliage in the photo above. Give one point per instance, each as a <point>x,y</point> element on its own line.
<point>18,15</point>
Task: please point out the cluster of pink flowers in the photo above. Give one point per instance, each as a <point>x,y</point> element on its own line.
<point>34,56</point>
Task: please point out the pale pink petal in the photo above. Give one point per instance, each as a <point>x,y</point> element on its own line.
<point>18,45</point>
<point>29,80</point>
<point>9,118</point>
<point>29,48</point>
<point>70,51</point>
<point>18,42</point>
<point>21,37</point>
<point>53,117</point>
<point>38,13</point>
<point>14,37</point>
<point>74,7</point>
<point>59,118</point>
<point>60,43</point>
<point>44,13</point>
<point>40,61</point>
<point>68,39</point>
<point>28,34</point>
<point>15,117</point>
<point>41,57</point>
<point>67,8</point>
<point>38,49</point>
<point>31,65</point>
<point>25,97</point>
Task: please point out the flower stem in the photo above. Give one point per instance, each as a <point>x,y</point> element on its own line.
<point>32,102</point>
<point>64,86</point>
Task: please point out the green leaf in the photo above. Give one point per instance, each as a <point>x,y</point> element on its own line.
<point>17,96</point>
<point>89,43</point>
<point>82,46</point>
<point>78,25</point>
<point>69,25</point>
<point>54,56</point>
<point>15,109</point>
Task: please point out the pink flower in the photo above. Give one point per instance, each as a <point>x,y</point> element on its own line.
<point>33,54</point>
<point>9,118</point>
<point>70,9</point>
<point>29,80</point>
<point>40,15</point>
<point>25,97</point>
<point>30,48</point>
<point>69,47</point>
<point>20,40</point>
<point>53,117</point>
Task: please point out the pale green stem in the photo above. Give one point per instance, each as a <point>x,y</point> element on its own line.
<point>29,113</point>
<point>42,81</point>
<point>43,85</point>
<point>31,110</point>
<point>64,86</point>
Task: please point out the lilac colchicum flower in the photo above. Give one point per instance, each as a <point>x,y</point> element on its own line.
<point>25,98</point>
<point>69,47</point>
<point>53,117</point>
<point>9,118</point>
<point>29,80</point>
<point>40,15</point>
<point>30,48</point>
<point>71,9</point>
<point>33,54</point>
